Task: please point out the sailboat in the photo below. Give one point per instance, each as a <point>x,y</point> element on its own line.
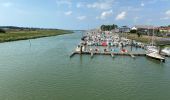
<point>156,55</point>
<point>153,52</point>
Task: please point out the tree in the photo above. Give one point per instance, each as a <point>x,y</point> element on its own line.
<point>2,31</point>
<point>138,34</point>
<point>102,27</point>
<point>108,27</point>
<point>133,31</point>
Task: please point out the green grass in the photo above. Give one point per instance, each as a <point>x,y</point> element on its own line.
<point>24,35</point>
<point>144,39</point>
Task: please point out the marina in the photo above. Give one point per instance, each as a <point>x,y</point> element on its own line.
<point>52,74</point>
<point>85,50</point>
<point>113,44</point>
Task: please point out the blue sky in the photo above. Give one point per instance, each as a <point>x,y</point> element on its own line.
<point>83,14</point>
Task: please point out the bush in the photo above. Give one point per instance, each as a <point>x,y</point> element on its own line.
<point>2,31</point>
<point>133,31</point>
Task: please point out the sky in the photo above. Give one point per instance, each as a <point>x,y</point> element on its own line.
<point>83,14</point>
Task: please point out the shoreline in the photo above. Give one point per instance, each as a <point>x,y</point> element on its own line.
<point>26,35</point>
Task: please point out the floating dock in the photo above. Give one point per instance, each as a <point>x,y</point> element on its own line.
<point>109,53</point>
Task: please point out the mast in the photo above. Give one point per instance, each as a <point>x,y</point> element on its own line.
<point>153,36</point>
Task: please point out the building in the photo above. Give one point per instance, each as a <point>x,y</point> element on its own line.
<point>146,29</point>
<point>116,30</point>
<point>124,29</point>
<point>165,31</point>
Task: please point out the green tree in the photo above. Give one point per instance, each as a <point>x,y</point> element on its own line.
<point>102,27</point>
<point>139,35</point>
<point>2,31</point>
<point>133,31</point>
<point>108,27</point>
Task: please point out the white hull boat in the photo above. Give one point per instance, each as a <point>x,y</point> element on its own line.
<point>156,56</point>
<point>166,51</point>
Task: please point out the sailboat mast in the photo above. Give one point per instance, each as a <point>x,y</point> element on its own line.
<point>152,35</point>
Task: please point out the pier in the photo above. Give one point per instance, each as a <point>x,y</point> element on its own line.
<point>108,53</point>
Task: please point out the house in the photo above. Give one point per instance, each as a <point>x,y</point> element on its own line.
<point>145,29</point>
<point>116,30</point>
<point>164,31</point>
<point>124,29</point>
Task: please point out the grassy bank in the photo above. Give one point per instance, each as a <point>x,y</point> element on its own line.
<point>143,38</point>
<point>148,39</point>
<point>14,35</point>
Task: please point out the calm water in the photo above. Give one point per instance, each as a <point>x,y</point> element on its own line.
<point>44,71</point>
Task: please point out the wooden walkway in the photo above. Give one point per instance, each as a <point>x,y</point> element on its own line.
<point>109,53</point>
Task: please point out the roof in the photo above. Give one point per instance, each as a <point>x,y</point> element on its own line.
<point>125,27</point>
<point>164,28</point>
<point>145,26</point>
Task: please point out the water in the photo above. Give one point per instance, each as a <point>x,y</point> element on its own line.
<point>44,71</point>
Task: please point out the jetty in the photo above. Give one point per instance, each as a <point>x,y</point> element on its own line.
<point>109,53</point>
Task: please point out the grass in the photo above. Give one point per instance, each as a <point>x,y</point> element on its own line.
<point>146,39</point>
<point>142,38</point>
<point>15,35</point>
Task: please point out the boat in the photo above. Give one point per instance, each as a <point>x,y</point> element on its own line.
<point>153,52</point>
<point>124,51</point>
<point>156,55</point>
<point>78,48</point>
<point>166,51</point>
<point>151,49</point>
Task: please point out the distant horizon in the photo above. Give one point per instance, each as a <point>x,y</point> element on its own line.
<point>83,15</point>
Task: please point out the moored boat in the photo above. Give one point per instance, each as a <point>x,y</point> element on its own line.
<point>166,51</point>
<point>155,55</point>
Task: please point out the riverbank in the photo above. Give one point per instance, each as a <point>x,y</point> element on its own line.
<point>147,39</point>
<point>16,35</point>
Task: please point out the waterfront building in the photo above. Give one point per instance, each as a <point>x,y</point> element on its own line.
<point>145,29</point>
<point>124,29</point>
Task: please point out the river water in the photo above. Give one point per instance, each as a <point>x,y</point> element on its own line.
<point>44,71</point>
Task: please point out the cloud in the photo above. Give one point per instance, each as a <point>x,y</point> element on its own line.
<point>121,16</point>
<point>167,15</point>
<point>7,4</point>
<point>79,5</point>
<point>105,14</point>
<point>81,17</point>
<point>142,4</point>
<point>106,4</point>
<point>64,2</point>
<point>68,13</point>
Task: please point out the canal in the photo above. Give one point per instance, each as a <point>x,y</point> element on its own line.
<point>43,70</point>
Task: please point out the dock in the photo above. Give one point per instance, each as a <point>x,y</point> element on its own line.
<point>104,43</point>
<point>109,53</point>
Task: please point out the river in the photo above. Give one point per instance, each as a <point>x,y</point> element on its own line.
<point>44,71</point>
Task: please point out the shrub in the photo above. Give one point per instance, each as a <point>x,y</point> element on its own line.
<point>2,31</point>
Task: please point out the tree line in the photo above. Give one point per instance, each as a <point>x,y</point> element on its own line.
<point>108,27</point>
